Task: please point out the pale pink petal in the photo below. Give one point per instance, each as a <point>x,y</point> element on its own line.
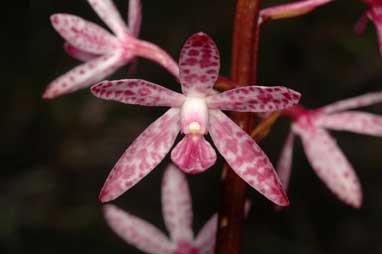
<point>84,75</point>
<point>137,91</point>
<point>154,53</point>
<point>359,122</point>
<point>375,14</point>
<point>107,11</point>
<point>205,240</point>
<point>289,10</point>
<point>193,154</point>
<point>137,232</point>
<point>143,155</point>
<point>135,16</point>
<point>284,165</point>
<point>79,54</point>
<point>199,64</point>
<point>176,205</point>
<point>356,102</point>
<point>331,165</point>
<point>245,157</point>
<point>82,34</point>
<point>254,99</point>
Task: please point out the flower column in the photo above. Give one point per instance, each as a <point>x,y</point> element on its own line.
<point>243,72</point>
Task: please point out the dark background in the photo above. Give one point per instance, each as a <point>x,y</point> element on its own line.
<point>55,155</point>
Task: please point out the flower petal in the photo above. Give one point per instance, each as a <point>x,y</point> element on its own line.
<point>361,24</point>
<point>331,165</point>
<point>205,240</point>
<point>79,54</point>
<point>193,154</point>
<point>137,91</point>
<point>136,232</point>
<point>375,14</point>
<point>356,102</point>
<point>245,157</point>
<point>107,11</point>
<point>84,75</point>
<point>284,165</point>
<point>146,152</point>
<point>154,53</point>
<point>82,34</point>
<point>291,9</point>
<point>359,122</point>
<point>176,205</point>
<point>199,65</point>
<point>135,16</point>
<point>254,99</point>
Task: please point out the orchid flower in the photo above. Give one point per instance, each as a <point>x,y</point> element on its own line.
<point>195,113</point>
<point>102,52</point>
<point>327,160</point>
<point>177,214</point>
<point>374,13</point>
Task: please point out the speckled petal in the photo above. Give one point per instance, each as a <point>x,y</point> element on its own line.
<point>107,11</point>
<point>79,54</point>
<point>205,240</point>
<point>135,16</point>
<point>245,157</point>
<point>137,232</point>
<point>254,99</point>
<point>289,10</point>
<point>331,165</point>
<point>284,165</point>
<point>199,65</point>
<point>137,91</point>
<point>84,75</point>
<point>82,34</point>
<point>356,102</point>
<point>359,122</point>
<point>154,53</point>
<point>143,155</point>
<point>193,154</point>
<point>176,205</point>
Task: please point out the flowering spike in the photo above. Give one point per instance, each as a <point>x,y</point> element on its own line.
<point>199,65</point>
<point>89,42</point>
<point>137,91</point>
<point>176,205</point>
<point>254,99</point>
<point>146,152</point>
<point>135,16</point>
<point>245,157</point>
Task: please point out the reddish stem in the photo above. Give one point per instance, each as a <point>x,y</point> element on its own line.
<point>243,72</point>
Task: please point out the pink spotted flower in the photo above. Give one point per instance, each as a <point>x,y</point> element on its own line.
<point>325,157</point>
<point>177,214</point>
<point>102,52</point>
<point>195,113</point>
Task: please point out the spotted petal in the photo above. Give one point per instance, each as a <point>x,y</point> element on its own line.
<point>135,16</point>
<point>107,11</point>
<point>176,205</point>
<point>199,65</point>
<point>193,154</point>
<point>82,34</point>
<point>254,99</point>
<point>331,165</point>
<point>245,157</point>
<point>205,240</point>
<point>356,102</point>
<point>79,54</point>
<point>84,75</point>
<point>137,232</point>
<point>137,91</point>
<point>284,165</point>
<point>146,152</point>
<point>359,122</point>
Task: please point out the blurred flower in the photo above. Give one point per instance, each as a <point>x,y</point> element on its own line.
<point>103,52</point>
<point>177,215</point>
<point>327,160</point>
<point>195,113</point>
